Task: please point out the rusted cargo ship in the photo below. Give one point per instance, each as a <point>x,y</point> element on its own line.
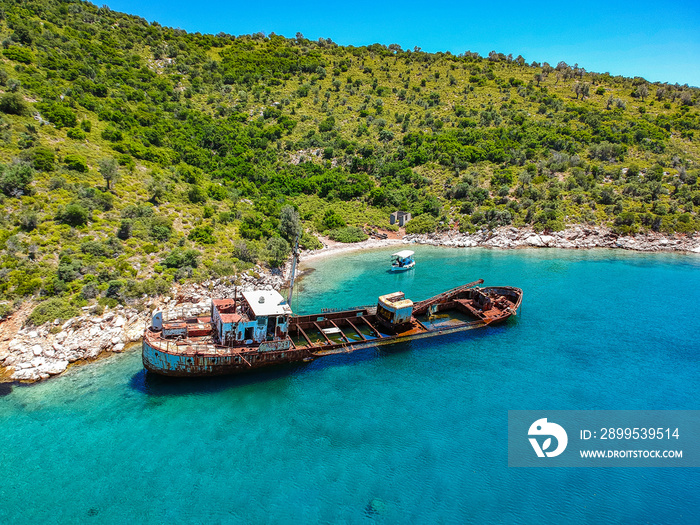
<point>258,329</point>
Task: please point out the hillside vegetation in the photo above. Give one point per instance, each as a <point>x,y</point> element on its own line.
<point>134,155</point>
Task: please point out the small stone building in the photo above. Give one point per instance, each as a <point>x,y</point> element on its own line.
<point>400,218</point>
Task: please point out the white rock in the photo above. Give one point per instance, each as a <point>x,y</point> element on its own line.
<point>118,347</point>
<point>60,337</point>
<point>37,350</point>
<point>55,367</point>
<point>119,321</point>
<point>26,375</point>
<point>33,334</point>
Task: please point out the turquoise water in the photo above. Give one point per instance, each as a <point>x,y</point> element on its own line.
<point>414,433</point>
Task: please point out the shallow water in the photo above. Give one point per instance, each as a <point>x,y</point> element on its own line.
<point>414,432</point>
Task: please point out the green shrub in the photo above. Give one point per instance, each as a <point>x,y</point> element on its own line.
<point>112,134</point>
<point>309,242</point>
<point>277,251</point>
<point>347,234</point>
<point>424,223</point>
<point>217,192</point>
<point>13,104</point>
<point>332,220</point>
<point>59,115</point>
<point>202,235</point>
<point>43,159</point>
<point>55,308</point>
<point>75,163</point>
<point>160,228</point>
<point>16,178</point>
<point>115,290</point>
<point>73,214</point>
<point>5,310</point>
<point>196,195</point>
<point>179,258</point>
<point>19,54</point>
<point>76,134</point>
<point>245,251</point>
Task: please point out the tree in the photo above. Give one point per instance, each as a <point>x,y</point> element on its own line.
<point>109,171</point>
<point>277,250</point>
<point>582,89</point>
<point>16,178</point>
<point>156,188</point>
<point>290,225</point>
<point>642,91</point>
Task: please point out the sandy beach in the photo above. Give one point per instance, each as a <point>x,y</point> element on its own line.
<point>332,248</point>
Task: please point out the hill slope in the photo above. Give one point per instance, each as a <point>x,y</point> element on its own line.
<point>134,155</point>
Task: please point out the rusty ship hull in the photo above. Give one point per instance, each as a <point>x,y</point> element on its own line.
<point>189,347</point>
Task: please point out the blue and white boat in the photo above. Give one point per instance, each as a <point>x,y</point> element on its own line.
<point>402,261</point>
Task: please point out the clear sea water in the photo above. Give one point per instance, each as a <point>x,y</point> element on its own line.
<point>414,433</point>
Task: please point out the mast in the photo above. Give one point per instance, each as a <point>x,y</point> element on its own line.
<point>295,258</point>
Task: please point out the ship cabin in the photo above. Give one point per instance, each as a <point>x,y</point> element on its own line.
<point>394,310</point>
<point>259,316</point>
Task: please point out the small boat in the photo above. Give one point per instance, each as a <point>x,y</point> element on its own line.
<point>402,261</point>
<point>258,329</point>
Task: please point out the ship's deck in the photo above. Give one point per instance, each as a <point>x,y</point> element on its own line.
<point>203,345</point>
<point>345,330</point>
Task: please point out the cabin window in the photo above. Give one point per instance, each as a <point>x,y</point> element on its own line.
<point>249,333</point>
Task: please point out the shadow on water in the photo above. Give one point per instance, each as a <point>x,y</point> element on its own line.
<point>156,385</point>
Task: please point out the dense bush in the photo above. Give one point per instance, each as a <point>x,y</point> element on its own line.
<point>179,258</point>
<point>277,251</point>
<point>19,54</point>
<point>348,234</point>
<point>424,223</point>
<point>43,159</point>
<point>15,179</point>
<point>13,104</point>
<point>76,163</point>
<point>55,308</point>
<point>202,234</point>
<point>73,214</point>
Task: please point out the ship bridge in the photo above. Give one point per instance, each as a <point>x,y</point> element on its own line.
<point>261,315</point>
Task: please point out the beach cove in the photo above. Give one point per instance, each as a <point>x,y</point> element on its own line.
<point>34,353</point>
<point>412,432</point>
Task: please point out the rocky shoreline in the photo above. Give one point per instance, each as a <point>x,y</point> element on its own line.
<point>575,237</point>
<point>36,353</point>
